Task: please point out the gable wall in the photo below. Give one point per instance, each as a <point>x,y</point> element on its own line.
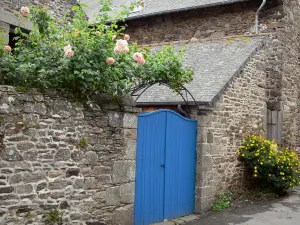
<point>216,22</point>
<point>240,110</point>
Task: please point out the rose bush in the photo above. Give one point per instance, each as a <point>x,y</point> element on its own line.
<point>73,55</point>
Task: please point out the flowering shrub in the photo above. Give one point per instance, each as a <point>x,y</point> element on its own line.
<point>274,168</point>
<point>73,55</point>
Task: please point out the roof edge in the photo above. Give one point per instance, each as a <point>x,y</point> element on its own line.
<point>238,72</point>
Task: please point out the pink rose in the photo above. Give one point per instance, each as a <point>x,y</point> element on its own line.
<point>69,53</point>
<point>126,37</point>
<point>57,134</point>
<point>117,49</point>
<point>122,43</point>
<point>25,10</point>
<point>67,47</point>
<point>138,56</point>
<point>141,61</point>
<point>126,49</point>
<point>7,48</point>
<point>110,60</point>
<point>114,37</point>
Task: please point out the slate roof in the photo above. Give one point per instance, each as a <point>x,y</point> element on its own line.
<point>155,7</point>
<point>215,64</point>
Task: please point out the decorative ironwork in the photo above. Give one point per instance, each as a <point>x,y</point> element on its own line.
<point>182,91</point>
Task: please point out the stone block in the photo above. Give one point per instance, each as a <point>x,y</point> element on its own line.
<point>115,119</point>
<point>112,196</point>
<point>25,145</point>
<point>203,149</point>
<point>30,155</point>
<point>123,171</point>
<point>23,166</point>
<point>202,205</point>
<point>130,120</point>
<point>100,170</point>
<point>123,216</point>
<point>78,183</point>
<point>38,108</point>
<point>41,186</point>
<point>10,154</point>
<point>62,155</point>
<point>130,151</point>
<point>15,178</point>
<point>127,193</point>
<point>24,189</point>
<point>204,120</point>
<point>103,179</point>
<point>59,184</point>
<point>205,191</point>
<point>77,156</point>
<point>72,172</point>
<point>89,183</point>
<point>201,135</point>
<point>29,177</point>
<point>91,158</point>
<point>4,190</point>
<point>130,133</point>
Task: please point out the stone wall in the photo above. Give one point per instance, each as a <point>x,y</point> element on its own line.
<point>207,23</point>
<point>241,110</point>
<point>58,7</point>
<point>57,153</point>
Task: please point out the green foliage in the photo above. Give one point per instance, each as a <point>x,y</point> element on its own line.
<point>52,217</point>
<point>273,167</point>
<point>83,143</point>
<point>28,215</point>
<point>42,62</point>
<point>222,200</point>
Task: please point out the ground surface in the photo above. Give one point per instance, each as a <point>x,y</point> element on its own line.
<point>283,211</point>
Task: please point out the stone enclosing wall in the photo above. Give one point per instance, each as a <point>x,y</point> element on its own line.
<point>241,110</point>
<point>56,153</point>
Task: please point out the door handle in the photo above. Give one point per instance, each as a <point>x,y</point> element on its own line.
<point>163,166</point>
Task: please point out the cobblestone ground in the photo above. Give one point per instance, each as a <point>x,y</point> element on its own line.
<point>284,211</point>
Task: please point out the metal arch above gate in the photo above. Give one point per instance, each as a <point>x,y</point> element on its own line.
<point>182,91</point>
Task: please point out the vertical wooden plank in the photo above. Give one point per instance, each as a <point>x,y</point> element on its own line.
<point>180,167</point>
<point>274,125</point>
<point>149,191</point>
<point>279,127</point>
<point>269,124</point>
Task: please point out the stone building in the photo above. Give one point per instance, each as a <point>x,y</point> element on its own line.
<point>245,82</point>
<point>246,76</point>
<point>8,20</point>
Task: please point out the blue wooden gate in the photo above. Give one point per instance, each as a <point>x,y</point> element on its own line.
<point>165,167</point>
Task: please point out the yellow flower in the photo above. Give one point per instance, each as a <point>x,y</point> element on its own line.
<point>255,175</point>
<point>77,31</point>
<point>261,163</point>
<point>243,154</point>
<point>270,175</point>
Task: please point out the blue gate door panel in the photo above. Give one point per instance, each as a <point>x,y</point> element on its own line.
<point>149,191</point>
<point>180,164</point>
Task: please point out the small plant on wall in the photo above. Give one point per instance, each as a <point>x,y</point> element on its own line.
<point>73,55</point>
<point>83,143</point>
<point>274,168</point>
<point>53,217</point>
